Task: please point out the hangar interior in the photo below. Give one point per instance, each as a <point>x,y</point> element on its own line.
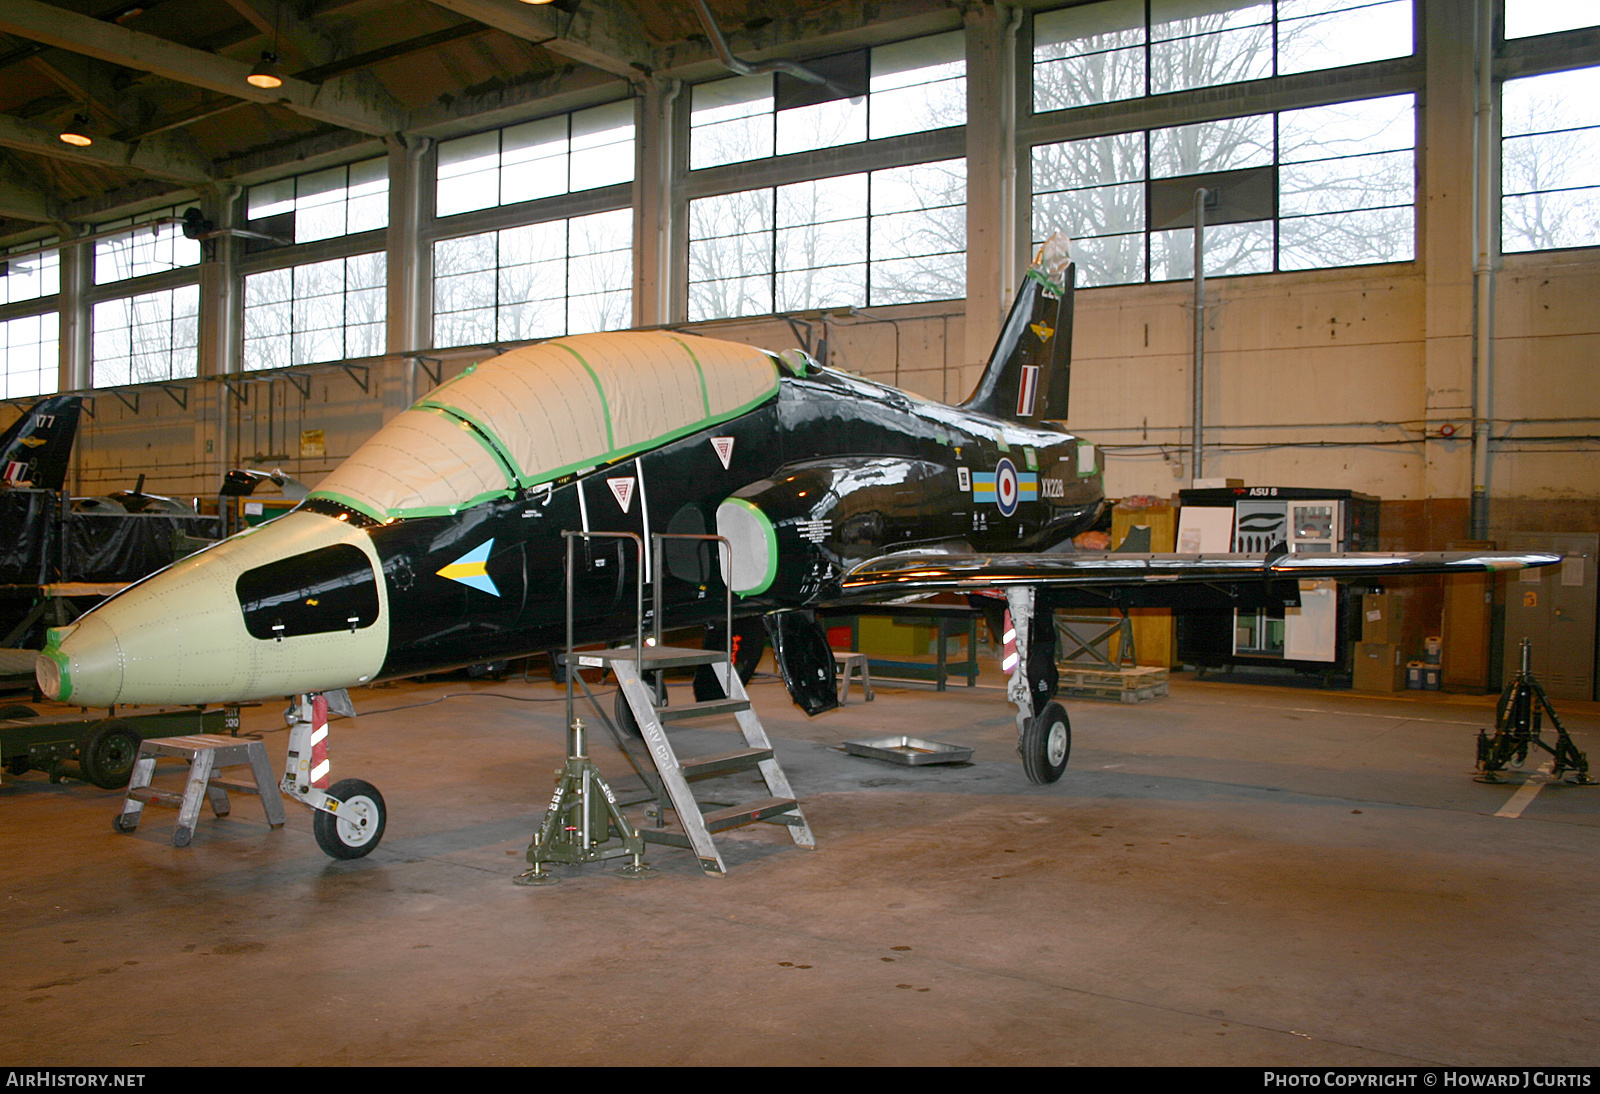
<point>1400,273</point>
<point>1408,318</point>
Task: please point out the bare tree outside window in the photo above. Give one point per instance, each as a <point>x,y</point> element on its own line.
<point>145,248</point>
<point>1107,52</point>
<point>535,281</point>
<point>1550,161</point>
<point>148,338</point>
<point>320,311</point>
<point>919,233</point>
<point>1345,173</point>
<point>882,237</point>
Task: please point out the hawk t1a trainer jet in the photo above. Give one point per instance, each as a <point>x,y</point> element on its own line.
<point>439,542</point>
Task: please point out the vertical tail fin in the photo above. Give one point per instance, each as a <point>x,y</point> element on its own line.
<point>36,449</point>
<point>1030,370</point>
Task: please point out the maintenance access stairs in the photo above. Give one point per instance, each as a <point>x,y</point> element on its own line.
<point>697,822</point>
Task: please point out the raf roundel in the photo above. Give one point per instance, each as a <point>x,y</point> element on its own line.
<point>1006,490</point>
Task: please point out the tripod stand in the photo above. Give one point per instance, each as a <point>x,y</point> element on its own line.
<point>1516,727</point>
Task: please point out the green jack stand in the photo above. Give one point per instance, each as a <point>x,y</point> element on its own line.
<point>583,823</point>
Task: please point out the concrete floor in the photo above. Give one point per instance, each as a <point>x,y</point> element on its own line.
<point>1230,875</point>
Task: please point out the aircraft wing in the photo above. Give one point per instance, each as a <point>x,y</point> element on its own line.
<point>909,573</point>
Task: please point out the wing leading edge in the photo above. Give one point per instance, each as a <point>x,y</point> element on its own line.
<point>905,574</point>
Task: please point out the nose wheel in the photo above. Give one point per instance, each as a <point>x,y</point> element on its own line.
<point>350,815</point>
<point>350,822</point>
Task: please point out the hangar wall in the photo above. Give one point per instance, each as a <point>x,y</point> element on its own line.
<point>1358,378</point>
<point>1313,378</point>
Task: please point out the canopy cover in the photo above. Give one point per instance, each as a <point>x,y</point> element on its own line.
<point>541,411</point>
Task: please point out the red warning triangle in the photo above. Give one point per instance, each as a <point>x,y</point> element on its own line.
<point>724,447</point>
<point>622,490</point>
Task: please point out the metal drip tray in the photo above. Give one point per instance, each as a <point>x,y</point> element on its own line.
<point>911,751</point>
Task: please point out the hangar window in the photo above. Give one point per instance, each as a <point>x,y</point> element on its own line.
<point>907,87</point>
<point>892,236</point>
<point>30,346</point>
<point>1550,161</point>
<point>1126,49</point>
<point>1525,18</point>
<point>146,247</point>
<point>29,276</point>
<point>570,276</point>
<point>560,155</point>
<point>1300,189</point>
<point>321,205</point>
<point>319,311</point>
<point>329,589</point>
<point>146,338</point>
<point>29,338</point>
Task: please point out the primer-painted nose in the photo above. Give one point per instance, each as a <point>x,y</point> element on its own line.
<point>293,606</point>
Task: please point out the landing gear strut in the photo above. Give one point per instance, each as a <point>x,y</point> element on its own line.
<point>350,814</point>
<point>1044,733</point>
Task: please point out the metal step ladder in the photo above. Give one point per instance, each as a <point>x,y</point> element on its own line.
<point>205,753</point>
<point>696,821</point>
<point>637,669</point>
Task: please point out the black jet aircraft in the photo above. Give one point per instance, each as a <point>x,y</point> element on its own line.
<point>35,452</point>
<point>439,542</point>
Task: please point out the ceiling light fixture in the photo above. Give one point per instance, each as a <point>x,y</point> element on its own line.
<point>76,132</point>
<point>265,74</point>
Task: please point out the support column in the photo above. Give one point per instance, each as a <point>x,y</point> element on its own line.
<point>1486,249</point>
<point>655,210</point>
<point>220,312</point>
<point>221,334</point>
<point>992,187</point>
<point>410,280</point>
<point>76,276</point>
<point>1447,232</point>
<point>410,204</point>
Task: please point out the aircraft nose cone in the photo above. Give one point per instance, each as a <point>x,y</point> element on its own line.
<point>246,619</point>
<point>91,674</point>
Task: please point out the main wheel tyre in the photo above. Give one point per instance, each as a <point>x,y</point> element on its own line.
<point>358,825</point>
<point>1046,744</point>
<point>627,724</point>
<point>107,752</point>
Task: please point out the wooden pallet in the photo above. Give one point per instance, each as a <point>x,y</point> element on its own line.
<point>1124,685</point>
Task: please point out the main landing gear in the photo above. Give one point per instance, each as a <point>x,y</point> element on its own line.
<point>350,814</point>
<point>1044,733</point>
<point>1046,744</point>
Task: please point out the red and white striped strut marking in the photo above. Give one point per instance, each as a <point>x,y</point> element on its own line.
<point>319,742</point>
<point>1008,662</point>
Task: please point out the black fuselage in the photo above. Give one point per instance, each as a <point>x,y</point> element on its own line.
<point>845,469</point>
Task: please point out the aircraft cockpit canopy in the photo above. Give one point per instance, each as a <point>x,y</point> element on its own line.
<point>543,411</point>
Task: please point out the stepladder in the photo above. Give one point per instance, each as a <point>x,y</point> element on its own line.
<point>207,754</point>
<point>696,818</point>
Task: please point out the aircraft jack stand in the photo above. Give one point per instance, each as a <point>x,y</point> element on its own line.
<point>1516,728</point>
<point>584,822</point>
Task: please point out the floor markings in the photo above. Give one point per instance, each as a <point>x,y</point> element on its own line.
<point>1527,792</point>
